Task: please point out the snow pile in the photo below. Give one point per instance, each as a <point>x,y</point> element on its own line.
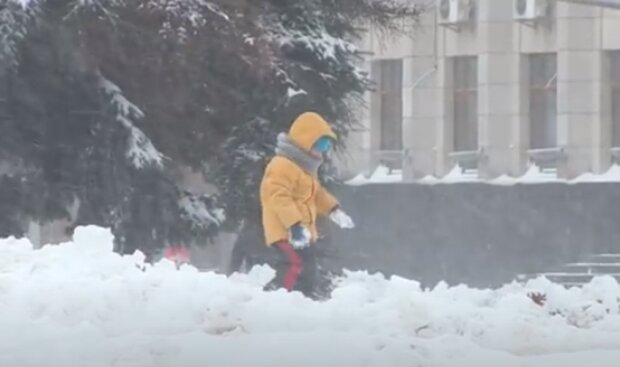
<point>79,304</point>
<point>534,175</point>
<point>382,174</point>
<point>456,175</point>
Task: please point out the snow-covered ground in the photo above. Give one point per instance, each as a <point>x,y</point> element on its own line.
<point>79,304</point>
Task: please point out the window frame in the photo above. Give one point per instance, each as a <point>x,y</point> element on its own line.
<point>543,100</point>
<point>465,91</point>
<point>390,96</point>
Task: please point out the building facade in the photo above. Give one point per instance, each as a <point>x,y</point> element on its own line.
<point>491,87</point>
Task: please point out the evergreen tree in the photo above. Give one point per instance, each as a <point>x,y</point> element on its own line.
<point>315,65</point>
<point>71,134</point>
<point>102,101</point>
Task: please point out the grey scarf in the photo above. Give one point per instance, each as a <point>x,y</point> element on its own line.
<point>288,149</point>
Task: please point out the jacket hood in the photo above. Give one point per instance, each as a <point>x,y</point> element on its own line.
<point>308,128</point>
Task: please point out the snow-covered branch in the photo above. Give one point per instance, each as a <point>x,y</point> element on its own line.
<point>316,40</point>
<point>182,17</point>
<point>201,212</point>
<point>141,150</point>
<point>14,18</point>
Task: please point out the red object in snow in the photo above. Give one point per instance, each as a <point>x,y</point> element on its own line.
<point>178,254</point>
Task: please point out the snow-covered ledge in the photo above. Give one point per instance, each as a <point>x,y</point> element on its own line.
<point>394,159</point>
<point>468,158</point>
<point>544,156</point>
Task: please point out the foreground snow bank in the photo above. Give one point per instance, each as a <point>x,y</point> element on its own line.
<point>79,304</point>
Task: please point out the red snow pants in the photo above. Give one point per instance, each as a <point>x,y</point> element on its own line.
<point>295,269</point>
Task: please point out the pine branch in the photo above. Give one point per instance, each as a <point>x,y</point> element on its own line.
<point>16,17</point>
<point>141,151</point>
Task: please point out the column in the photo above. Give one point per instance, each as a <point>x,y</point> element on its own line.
<point>579,86</point>
<point>497,87</point>
<point>419,101</point>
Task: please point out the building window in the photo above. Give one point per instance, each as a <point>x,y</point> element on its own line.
<point>614,78</point>
<point>465,74</point>
<point>543,100</point>
<point>391,114</point>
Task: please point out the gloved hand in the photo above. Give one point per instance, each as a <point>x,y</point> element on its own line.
<point>299,236</point>
<point>341,219</point>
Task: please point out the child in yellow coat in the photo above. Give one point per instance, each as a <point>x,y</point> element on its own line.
<point>292,197</point>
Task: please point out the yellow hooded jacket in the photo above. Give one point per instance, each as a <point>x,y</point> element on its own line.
<point>289,194</point>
